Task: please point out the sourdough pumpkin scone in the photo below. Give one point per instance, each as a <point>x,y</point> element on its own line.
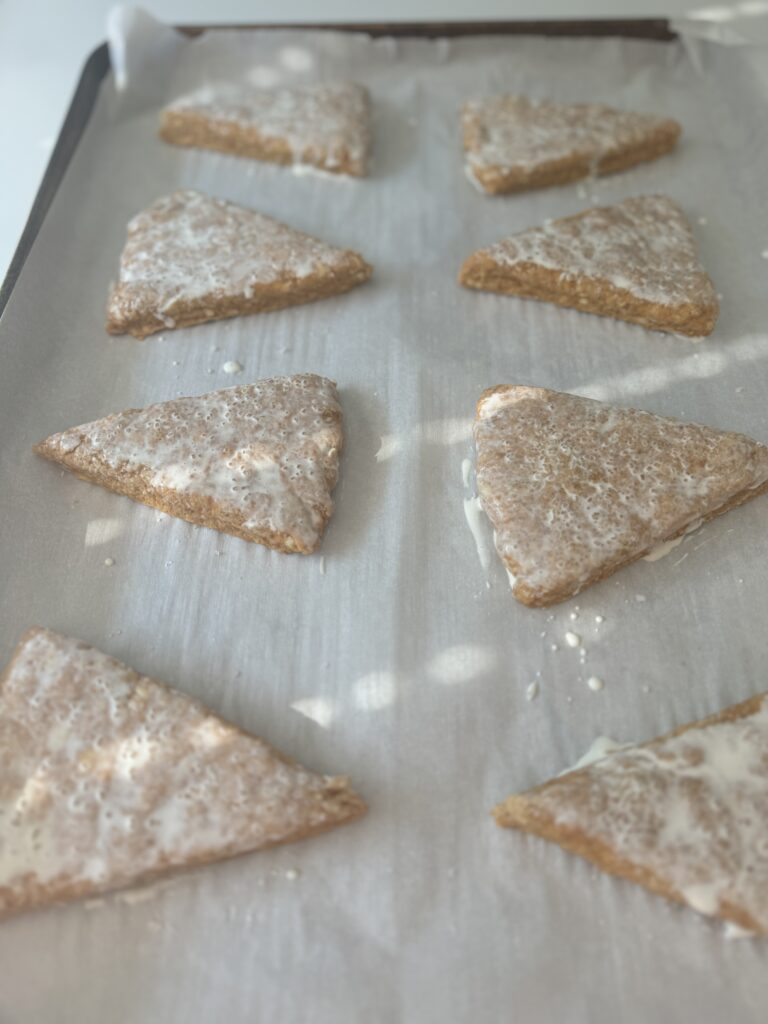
<point>110,779</point>
<point>190,258</point>
<point>575,489</point>
<point>514,143</point>
<point>635,261</point>
<point>685,815</point>
<point>325,126</point>
<point>258,461</point>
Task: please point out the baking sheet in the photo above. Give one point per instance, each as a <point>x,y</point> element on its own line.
<point>391,655</point>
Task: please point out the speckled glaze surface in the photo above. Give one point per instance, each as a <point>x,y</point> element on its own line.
<point>514,142</point>
<point>636,260</point>
<point>259,460</point>
<point>684,814</point>
<point>193,255</point>
<point>110,778</point>
<point>325,126</point>
<point>575,488</point>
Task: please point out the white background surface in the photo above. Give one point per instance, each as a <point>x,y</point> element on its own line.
<point>43,44</point>
<point>391,654</point>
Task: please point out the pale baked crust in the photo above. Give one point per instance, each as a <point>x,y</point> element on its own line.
<point>323,126</point>
<point>111,779</point>
<point>258,461</point>
<point>670,816</point>
<point>636,261</point>
<point>577,489</point>
<point>513,143</point>
<point>190,258</point>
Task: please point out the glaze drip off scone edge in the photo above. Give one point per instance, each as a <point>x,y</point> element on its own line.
<point>325,126</point>
<point>635,261</point>
<point>683,815</point>
<point>190,258</point>
<point>513,143</point>
<point>258,460</point>
<point>576,489</point>
<point>111,779</point>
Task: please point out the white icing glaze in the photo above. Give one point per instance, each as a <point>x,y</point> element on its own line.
<point>515,133</point>
<point>573,486</point>
<point>266,452</point>
<point>322,122</point>
<point>702,897</point>
<point>600,747</point>
<point>309,171</point>
<point>473,514</point>
<point>642,245</point>
<point>662,550</point>
<point>734,931</point>
<point>472,178</point>
<point>190,248</point>
<point>691,808</point>
<point>109,776</point>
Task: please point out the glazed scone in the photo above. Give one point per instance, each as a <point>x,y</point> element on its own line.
<point>685,815</point>
<point>325,126</point>
<point>513,143</point>
<point>111,779</point>
<point>575,489</point>
<point>190,258</point>
<point>636,261</point>
<point>258,461</point>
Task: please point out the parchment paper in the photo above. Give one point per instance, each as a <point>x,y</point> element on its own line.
<point>392,655</point>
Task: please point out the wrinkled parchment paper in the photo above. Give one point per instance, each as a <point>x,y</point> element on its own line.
<point>392,655</point>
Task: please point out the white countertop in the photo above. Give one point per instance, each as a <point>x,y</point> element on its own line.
<point>44,43</point>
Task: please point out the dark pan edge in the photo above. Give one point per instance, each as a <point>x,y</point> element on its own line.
<point>94,71</point>
<point>625,28</point>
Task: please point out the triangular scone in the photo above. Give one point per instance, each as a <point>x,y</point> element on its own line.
<point>190,258</point>
<point>575,488</point>
<point>110,778</point>
<point>685,815</point>
<point>258,461</point>
<point>514,143</point>
<point>325,126</point>
<point>635,261</point>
